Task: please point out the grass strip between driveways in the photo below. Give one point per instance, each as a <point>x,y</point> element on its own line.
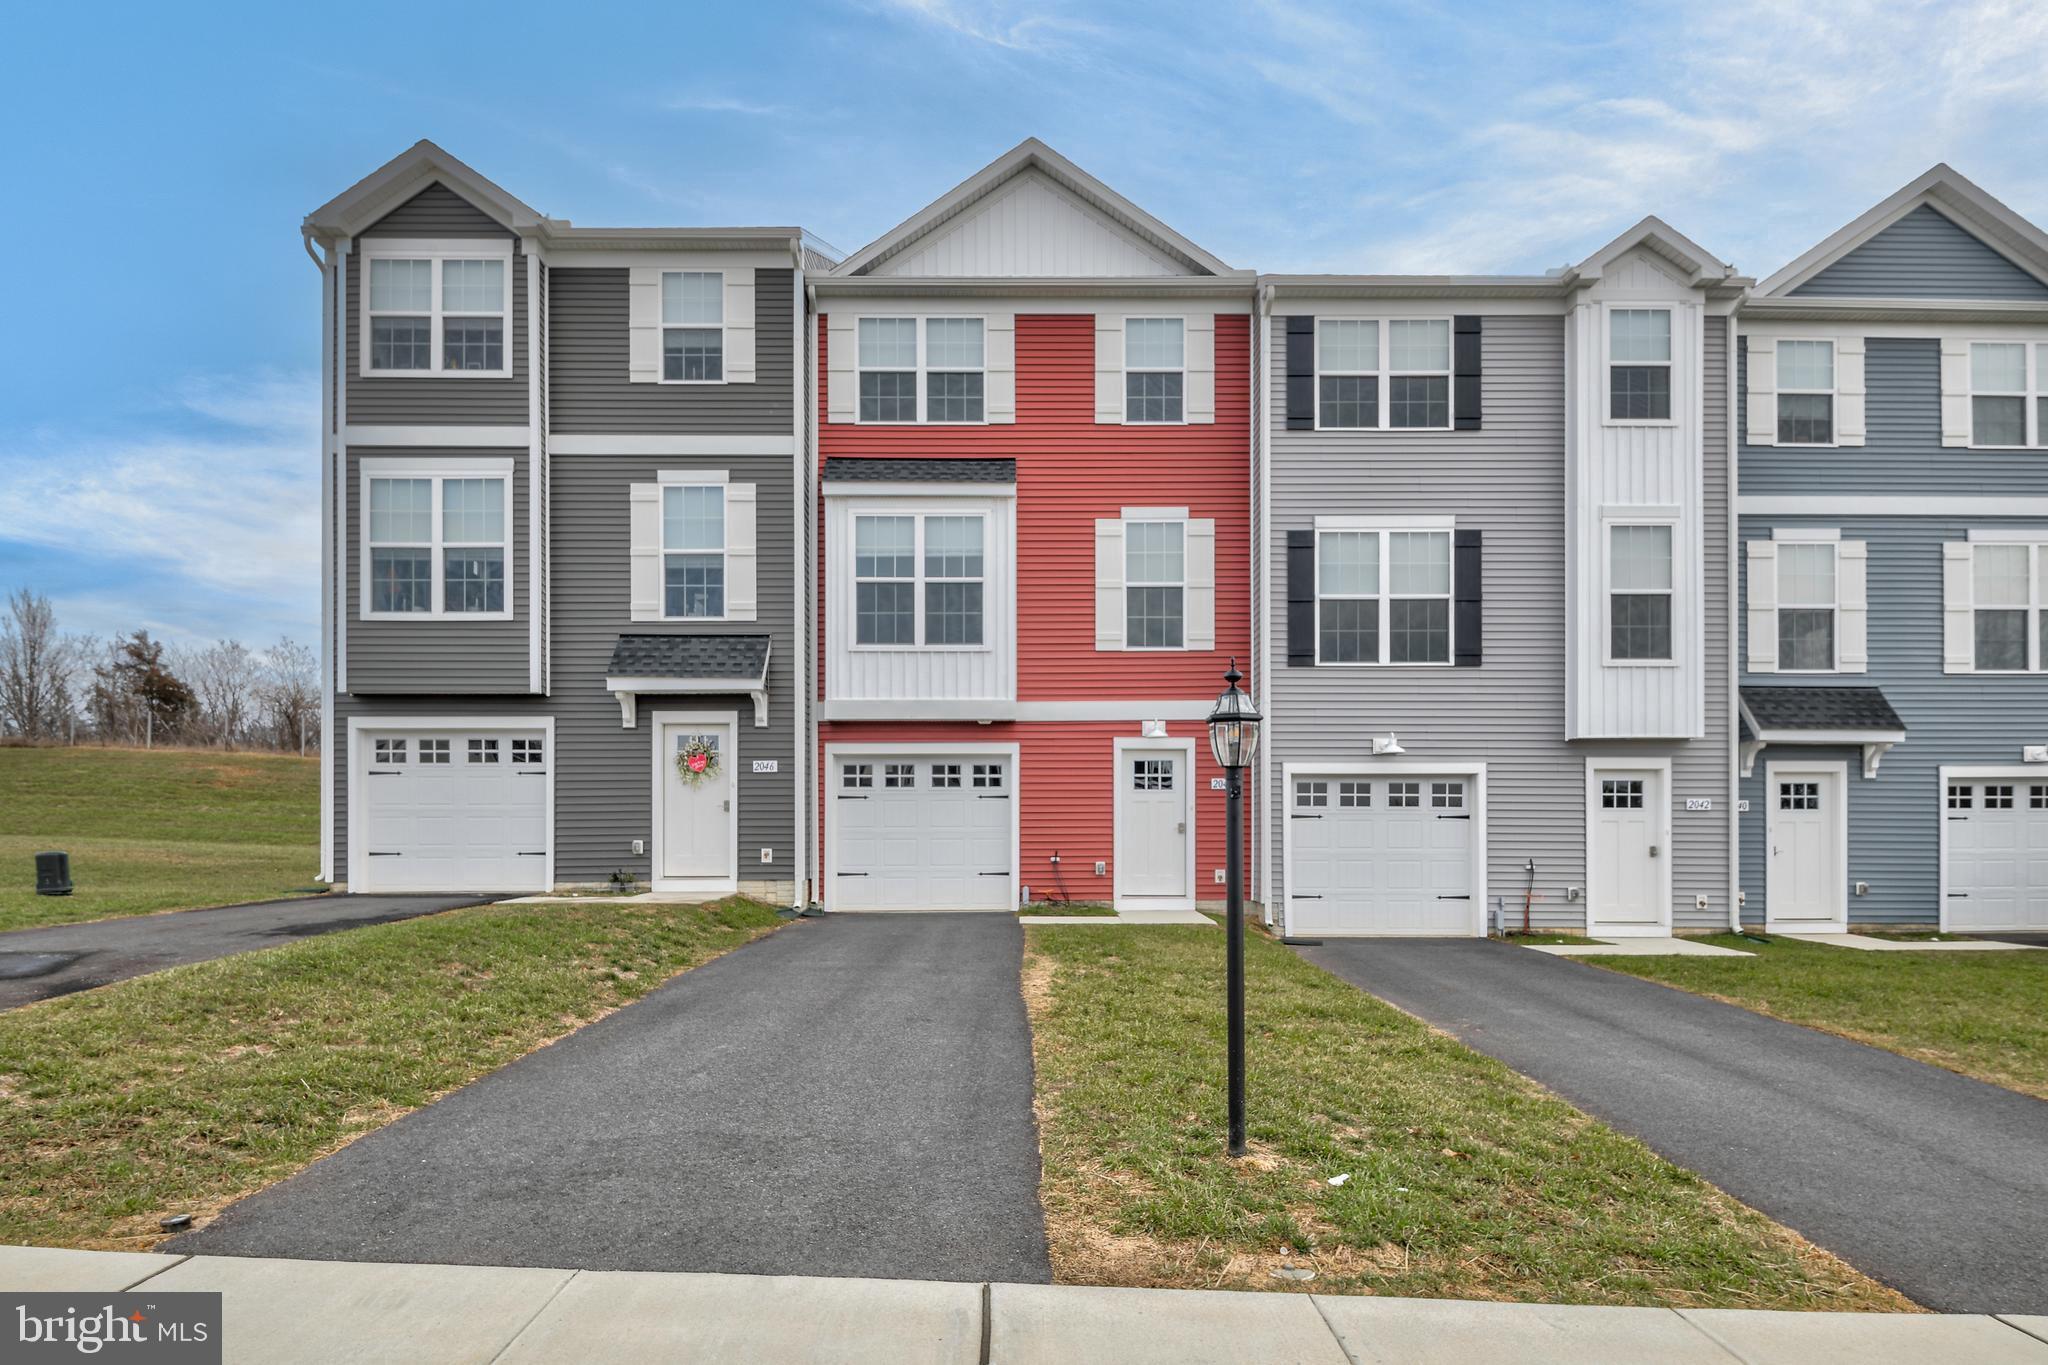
<point>183,1091</point>
<point>1984,1014</point>
<point>1465,1179</point>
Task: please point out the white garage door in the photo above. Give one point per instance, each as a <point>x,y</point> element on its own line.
<point>1997,855</point>
<point>454,810</point>
<point>922,833</point>
<point>1374,855</point>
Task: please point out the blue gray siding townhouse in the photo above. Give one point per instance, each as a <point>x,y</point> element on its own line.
<point>1892,405</point>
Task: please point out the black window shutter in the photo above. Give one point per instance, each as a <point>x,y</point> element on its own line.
<point>1301,599</point>
<point>1467,367</point>
<point>1301,374</point>
<point>1468,614</point>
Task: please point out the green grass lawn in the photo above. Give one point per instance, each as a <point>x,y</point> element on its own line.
<point>183,1091</point>
<point>159,829</point>
<point>1092,911</point>
<point>1466,1180</point>
<point>1983,1014</point>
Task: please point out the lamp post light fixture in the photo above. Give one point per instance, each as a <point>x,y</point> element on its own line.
<point>1233,739</point>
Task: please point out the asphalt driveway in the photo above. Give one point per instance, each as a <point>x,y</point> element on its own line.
<point>1932,1182</point>
<point>848,1096</point>
<point>36,964</point>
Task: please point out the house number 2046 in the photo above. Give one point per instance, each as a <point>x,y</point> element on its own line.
<point>767,765</point>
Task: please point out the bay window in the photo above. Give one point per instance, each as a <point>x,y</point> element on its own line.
<point>920,580</point>
<point>1639,364</point>
<point>1639,594</point>
<point>692,327</point>
<point>935,366</point>
<point>436,308</point>
<point>1383,597</point>
<point>435,545</point>
<point>693,550</point>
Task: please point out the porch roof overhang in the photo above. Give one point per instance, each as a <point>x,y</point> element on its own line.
<point>668,665</point>
<point>1858,716</point>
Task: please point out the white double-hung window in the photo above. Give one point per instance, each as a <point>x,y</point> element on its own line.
<point>693,550</point>
<point>2008,396</point>
<point>1807,604</point>
<point>1155,370</point>
<point>1639,364</point>
<point>1155,584</point>
<point>2009,594</point>
<point>435,544</point>
<point>1806,393</point>
<point>920,580</point>
<point>436,307</point>
<point>693,327</point>
<point>932,369</point>
<point>1383,597</point>
<point>1639,595</point>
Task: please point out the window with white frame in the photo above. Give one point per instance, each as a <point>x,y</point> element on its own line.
<point>434,312</point>
<point>935,366</point>
<point>2008,592</point>
<point>1806,393</point>
<point>1311,794</point>
<point>920,580</point>
<point>1155,584</point>
<point>436,545</point>
<point>693,550</point>
<point>1347,373</point>
<point>1806,607</point>
<point>2008,397</point>
<point>1639,364</point>
<point>1155,370</point>
<point>1383,597</point>
<point>1639,594</point>
<point>692,326</point>
<point>1419,374</point>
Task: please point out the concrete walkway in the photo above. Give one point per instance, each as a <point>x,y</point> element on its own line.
<point>316,1312</point>
<point>1637,947</point>
<point>1869,944</point>
<point>36,964</point>
<point>847,1096</point>
<point>1932,1182</point>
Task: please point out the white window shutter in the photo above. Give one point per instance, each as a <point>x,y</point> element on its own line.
<point>1763,391</point>
<point>1199,401</point>
<point>1849,391</point>
<point>1958,621</point>
<point>1109,583</point>
<point>1199,624</point>
<point>643,324</point>
<point>739,324</point>
<point>740,560</point>
<point>644,520</point>
<point>1763,606</point>
<point>1109,371</point>
<point>1852,606</point>
<point>999,363</point>
<point>842,354</point>
<point>1955,395</point>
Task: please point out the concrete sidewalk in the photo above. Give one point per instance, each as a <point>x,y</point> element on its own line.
<point>309,1312</point>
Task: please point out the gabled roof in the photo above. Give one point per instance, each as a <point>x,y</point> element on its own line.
<point>1025,158</point>
<point>1950,193</point>
<point>404,176</point>
<point>1661,239</point>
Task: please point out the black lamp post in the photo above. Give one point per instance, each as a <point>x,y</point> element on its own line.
<point>1233,739</point>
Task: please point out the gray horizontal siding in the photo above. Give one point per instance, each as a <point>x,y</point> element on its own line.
<point>1508,481</point>
<point>428,400</point>
<point>1925,255</point>
<point>440,655</point>
<point>1902,451</point>
<point>588,389</point>
<point>1895,817</point>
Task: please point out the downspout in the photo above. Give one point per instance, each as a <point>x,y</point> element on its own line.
<point>811,475</point>
<point>800,592</point>
<point>1262,604</point>
<point>1734,630</point>
<point>327,386</point>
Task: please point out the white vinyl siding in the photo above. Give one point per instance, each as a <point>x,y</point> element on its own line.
<point>693,555</point>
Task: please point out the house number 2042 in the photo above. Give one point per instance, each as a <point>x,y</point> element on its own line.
<point>1699,803</point>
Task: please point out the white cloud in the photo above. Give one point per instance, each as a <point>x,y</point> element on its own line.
<point>1017,28</point>
<point>701,103</point>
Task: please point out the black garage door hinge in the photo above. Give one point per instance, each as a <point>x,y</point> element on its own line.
<point>850,874</point>
<point>1454,898</point>
<point>1302,896</point>
<point>993,874</point>
<point>524,854</point>
<point>1454,817</point>
<point>375,854</point>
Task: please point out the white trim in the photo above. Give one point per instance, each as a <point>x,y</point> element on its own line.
<point>536,491</point>
<point>1153,514</point>
<point>1884,505</point>
<point>1010,751</point>
<point>504,438</point>
<point>803,476</point>
<point>650,444</point>
<point>705,885</point>
<point>1611,764</point>
<point>358,850</point>
<point>1121,746</point>
<point>438,472</point>
<point>1969,772</point>
<point>623,257</point>
<point>1417,523</point>
<point>437,251</point>
<point>977,709</point>
<point>331,577</point>
<point>1839,921</point>
<point>628,691</point>
<point>1375,768</point>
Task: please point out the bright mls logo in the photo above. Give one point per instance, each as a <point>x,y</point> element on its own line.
<point>171,1329</point>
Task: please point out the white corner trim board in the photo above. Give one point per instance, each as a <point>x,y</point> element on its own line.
<point>489,438</point>
<point>659,445</point>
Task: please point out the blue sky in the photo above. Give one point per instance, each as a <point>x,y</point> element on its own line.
<point>157,402</point>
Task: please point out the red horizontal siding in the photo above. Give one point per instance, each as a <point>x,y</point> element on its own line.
<point>1066,787</point>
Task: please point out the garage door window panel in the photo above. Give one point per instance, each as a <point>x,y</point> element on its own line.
<point>437,545</point>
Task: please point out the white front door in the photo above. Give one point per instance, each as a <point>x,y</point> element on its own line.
<point>1152,825</point>
<point>696,817</point>
<point>1628,854</point>
<point>1804,879</point>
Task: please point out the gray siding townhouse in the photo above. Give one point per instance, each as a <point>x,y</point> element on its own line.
<point>561,486</point>
<point>1496,515</point>
<point>1893,505</point>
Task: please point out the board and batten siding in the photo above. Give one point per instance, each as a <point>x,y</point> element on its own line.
<point>1965,718</point>
<point>588,388</point>
<point>438,655</point>
<point>1924,255</point>
<point>435,399</point>
<point>1507,481</point>
<point>604,771</point>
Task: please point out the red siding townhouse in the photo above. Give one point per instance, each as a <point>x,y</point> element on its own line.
<point>1033,535</point>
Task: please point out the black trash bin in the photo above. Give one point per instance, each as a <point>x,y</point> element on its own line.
<point>53,874</point>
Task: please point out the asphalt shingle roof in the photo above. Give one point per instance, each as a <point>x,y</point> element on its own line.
<point>1821,708</point>
<point>689,656</point>
<point>920,471</point>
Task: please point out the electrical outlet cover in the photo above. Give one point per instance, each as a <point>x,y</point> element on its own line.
<point>1219,876</point>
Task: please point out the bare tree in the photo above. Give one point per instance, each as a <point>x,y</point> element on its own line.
<point>290,696</point>
<point>136,693</point>
<point>36,666</point>
<point>224,677</point>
